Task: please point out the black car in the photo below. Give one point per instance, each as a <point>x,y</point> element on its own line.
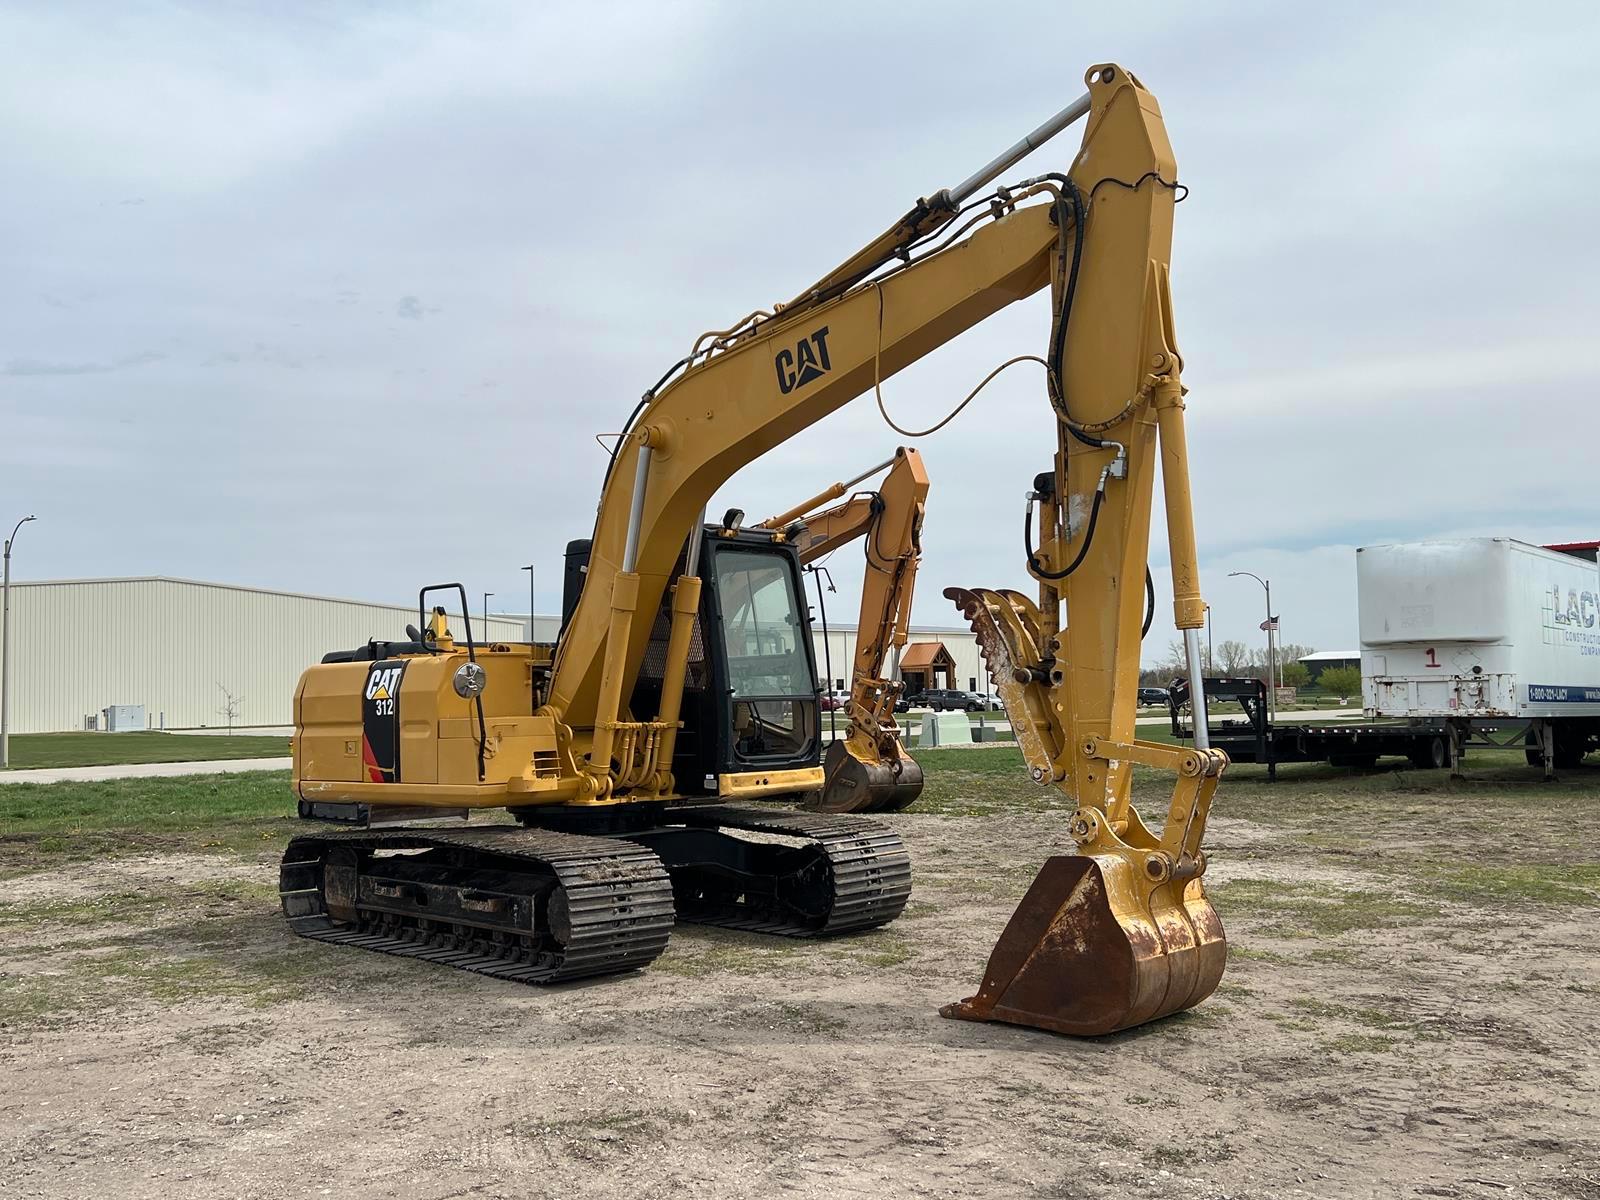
<point>1152,695</point>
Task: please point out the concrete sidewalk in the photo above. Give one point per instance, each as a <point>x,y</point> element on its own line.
<point>226,766</point>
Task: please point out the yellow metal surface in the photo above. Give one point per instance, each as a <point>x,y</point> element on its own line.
<point>743,785</point>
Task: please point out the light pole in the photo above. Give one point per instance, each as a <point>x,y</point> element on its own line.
<point>486,596</point>
<point>1272,653</point>
<point>529,570</point>
<point>1210,666</point>
<point>5,650</point>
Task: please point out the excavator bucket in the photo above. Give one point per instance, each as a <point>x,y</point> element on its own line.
<point>1093,948</point>
<point>854,784</point>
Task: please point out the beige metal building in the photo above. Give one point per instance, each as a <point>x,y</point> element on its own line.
<point>181,648</point>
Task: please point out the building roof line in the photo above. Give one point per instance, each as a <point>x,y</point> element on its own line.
<point>841,626</point>
<point>231,587</point>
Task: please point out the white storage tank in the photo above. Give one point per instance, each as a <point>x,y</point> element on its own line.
<point>1478,627</point>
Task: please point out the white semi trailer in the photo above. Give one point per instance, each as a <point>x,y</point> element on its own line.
<point>1478,631</point>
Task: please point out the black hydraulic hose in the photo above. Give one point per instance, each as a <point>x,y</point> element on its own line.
<point>1083,549</point>
<point>1149,603</point>
<point>1058,347</point>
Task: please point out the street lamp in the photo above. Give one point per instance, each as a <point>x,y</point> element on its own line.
<point>1210,666</point>
<point>5,650</point>
<point>529,570</point>
<point>486,596</point>
<point>1272,655</point>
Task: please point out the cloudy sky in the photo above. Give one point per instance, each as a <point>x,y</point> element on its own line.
<point>333,298</point>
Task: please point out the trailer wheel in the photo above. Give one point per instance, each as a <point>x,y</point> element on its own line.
<point>1431,754</point>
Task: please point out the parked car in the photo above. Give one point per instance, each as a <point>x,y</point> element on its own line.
<point>838,698</point>
<point>1152,695</point>
<point>945,700</point>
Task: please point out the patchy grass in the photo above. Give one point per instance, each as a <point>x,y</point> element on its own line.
<point>120,975</point>
<point>106,749</point>
<point>1306,910</point>
<point>1568,885</point>
<point>47,824</point>
<point>135,907</point>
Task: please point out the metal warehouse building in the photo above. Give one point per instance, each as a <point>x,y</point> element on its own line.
<point>180,648</point>
<point>177,646</point>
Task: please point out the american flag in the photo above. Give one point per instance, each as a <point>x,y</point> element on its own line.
<point>1269,625</point>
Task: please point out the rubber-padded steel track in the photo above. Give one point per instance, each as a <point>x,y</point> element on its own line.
<point>617,901</point>
<point>871,871</point>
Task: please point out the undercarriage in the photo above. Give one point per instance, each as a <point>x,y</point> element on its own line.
<point>547,905</point>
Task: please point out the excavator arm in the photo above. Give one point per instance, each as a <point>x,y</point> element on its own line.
<point>868,769</point>
<point>1119,931</point>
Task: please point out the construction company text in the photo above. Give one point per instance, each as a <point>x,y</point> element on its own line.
<point>1570,620</point>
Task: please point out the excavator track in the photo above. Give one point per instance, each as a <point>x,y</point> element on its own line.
<point>527,905</point>
<point>849,875</point>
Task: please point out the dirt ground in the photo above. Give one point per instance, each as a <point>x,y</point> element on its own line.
<point>1411,1009</point>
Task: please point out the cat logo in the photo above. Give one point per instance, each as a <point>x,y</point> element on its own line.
<point>380,721</point>
<point>807,361</point>
<point>383,683</point>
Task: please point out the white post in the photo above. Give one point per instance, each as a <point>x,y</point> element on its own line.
<point>1272,657</point>
<point>5,650</point>
<point>5,666</point>
<point>529,570</point>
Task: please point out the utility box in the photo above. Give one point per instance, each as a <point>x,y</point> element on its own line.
<point>946,729</point>
<point>1478,627</point>
<point>124,718</point>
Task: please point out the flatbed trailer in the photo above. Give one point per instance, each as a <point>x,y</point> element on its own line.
<point>1428,743</point>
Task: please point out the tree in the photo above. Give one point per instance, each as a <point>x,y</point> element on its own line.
<point>1234,656</point>
<point>1343,682</point>
<point>231,706</point>
<point>1293,674</point>
<point>1177,657</point>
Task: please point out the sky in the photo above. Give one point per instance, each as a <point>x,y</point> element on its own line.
<point>335,298</point>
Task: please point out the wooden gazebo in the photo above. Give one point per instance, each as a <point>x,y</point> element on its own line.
<point>923,663</point>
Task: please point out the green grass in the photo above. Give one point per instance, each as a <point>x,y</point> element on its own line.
<point>1566,885</point>
<point>29,750</point>
<point>46,823</point>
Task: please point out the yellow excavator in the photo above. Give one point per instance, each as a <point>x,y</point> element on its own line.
<point>868,769</point>
<point>648,753</point>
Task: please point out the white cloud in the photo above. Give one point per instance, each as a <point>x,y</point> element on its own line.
<point>1382,275</point>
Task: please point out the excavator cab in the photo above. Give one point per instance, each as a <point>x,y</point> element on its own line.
<point>750,705</point>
